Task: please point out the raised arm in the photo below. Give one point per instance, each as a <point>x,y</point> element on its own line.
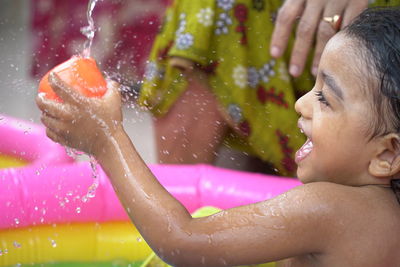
<point>286,226</point>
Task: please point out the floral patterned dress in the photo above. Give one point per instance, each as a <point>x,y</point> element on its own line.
<point>229,40</point>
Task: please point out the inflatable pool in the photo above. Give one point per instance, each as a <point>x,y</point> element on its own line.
<point>46,219</point>
<point>23,143</point>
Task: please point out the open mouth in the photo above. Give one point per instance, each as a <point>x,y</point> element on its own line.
<point>307,147</point>
<point>304,151</point>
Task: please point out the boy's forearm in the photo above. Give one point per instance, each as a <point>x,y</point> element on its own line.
<point>152,209</point>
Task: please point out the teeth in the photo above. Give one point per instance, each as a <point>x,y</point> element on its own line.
<point>301,130</point>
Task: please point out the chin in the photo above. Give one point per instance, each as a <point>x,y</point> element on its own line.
<point>304,175</point>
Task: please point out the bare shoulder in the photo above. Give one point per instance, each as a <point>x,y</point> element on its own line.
<point>338,198</point>
<point>341,207</point>
<point>347,216</point>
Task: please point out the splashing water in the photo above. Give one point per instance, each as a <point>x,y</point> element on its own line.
<point>73,153</point>
<point>53,243</point>
<point>89,30</point>
<point>17,244</point>
<point>91,193</point>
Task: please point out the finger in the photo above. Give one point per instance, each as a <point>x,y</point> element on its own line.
<point>353,10</point>
<point>113,93</point>
<point>304,37</point>
<point>52,123</point>
<point>112,84</point>
<point>287,16</point>
<point>64,91</point>
<point>325,33</point>
<point>113,87</point>
<point>54,109</point>
<point>55,137</point>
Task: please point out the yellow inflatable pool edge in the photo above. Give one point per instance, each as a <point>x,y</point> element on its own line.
<point>83,242</point>
<point>7,161</point>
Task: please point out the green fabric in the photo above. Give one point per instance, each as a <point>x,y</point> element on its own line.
<point>84,264</point>
<point>230,39</point>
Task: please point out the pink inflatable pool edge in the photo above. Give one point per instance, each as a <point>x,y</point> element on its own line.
<point>56,193</point>
<point>28,141</point>
<point>53,188</point>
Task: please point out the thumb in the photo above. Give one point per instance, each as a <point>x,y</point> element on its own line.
<point>113,91</point>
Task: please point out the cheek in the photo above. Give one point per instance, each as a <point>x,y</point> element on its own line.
<point>339,152</point>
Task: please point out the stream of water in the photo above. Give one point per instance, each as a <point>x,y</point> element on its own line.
<point>89,31</point>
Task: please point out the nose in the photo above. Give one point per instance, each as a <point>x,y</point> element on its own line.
<point>303,106</point>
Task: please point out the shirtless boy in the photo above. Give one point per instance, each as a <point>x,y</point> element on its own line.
<point>345,214</point>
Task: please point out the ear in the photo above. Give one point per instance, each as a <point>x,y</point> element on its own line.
<point>386,163</point>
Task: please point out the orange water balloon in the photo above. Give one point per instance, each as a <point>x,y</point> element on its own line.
<point>81,74</point>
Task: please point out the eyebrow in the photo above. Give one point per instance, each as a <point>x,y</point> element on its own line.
<point>330,81</point>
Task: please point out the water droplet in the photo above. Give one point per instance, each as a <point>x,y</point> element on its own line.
<point>92,190</point>
<point>203,260</point>
<point>53,242</point>
<point>139,239</point>
<point>84,199</point>
<point>78,210</point>
<point>223,261</point>
<point>16,244</point>
<point>16,220</point>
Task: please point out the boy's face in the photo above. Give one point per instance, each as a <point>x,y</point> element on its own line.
<point>335,116</point>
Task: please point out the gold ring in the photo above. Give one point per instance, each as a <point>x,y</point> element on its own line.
<point>335,21</point>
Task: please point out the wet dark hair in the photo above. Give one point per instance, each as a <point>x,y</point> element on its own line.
<point>378,31</point>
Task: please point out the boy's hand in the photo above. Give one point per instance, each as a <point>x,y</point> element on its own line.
<point>311,27</point>
<point>80,122</point>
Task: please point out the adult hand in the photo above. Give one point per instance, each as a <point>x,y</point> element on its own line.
<point>311,26</point>
<point>80,122</point>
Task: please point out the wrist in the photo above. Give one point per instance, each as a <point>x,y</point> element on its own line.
<point>105,148</point>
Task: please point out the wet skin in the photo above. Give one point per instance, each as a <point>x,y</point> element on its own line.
<point>335,116</point>
<point>337,218</point>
